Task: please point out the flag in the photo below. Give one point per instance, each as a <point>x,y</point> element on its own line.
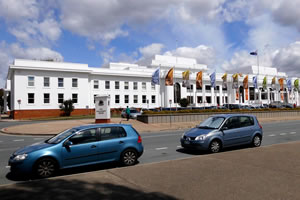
<point>237,95</point>
<point>265,83</point>
<point>169,77</point>
<point>199,80</point>
<point>155,77</point>
<point>255,81</point>
<point>281,83</point>
<point>245,82</point>
<point>186,78</point>
<point>296,84</point>
<point>274,82</point>
<point>213,80</point>
<point>235,82</point>
<point>253,53</point>
<point>224,77</point>
<point>247,96</point>
<point>289,84</point>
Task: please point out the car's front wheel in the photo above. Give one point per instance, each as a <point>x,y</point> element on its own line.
<point>45,167</point>
<point>215,146</point>
<point>129,157</point>
<point>256,142</point>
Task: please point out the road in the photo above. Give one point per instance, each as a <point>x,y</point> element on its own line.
<point>160,146</point>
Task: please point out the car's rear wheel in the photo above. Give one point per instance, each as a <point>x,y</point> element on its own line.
<point>45,167</point>
<point>256,142</point>
<point>215,146</point>
<point>129,157</point>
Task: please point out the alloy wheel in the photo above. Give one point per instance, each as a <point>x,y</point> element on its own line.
<point>215,147</point>
<point>45,168</point>
<point>129,158</point>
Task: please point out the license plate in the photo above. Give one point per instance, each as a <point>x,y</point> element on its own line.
<point>186,142</point>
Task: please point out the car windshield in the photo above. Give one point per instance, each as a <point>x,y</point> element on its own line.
<point>212,122</point>
<point>133,111</point>
<point>61,136</point>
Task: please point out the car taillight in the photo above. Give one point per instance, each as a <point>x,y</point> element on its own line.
<point>139,139</point>
<point>259,125</point>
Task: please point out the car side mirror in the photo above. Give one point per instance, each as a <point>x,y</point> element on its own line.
<point>224,128</point>
<point>67,143</point>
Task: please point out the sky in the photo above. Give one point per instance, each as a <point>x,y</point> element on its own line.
<point>218,33</point>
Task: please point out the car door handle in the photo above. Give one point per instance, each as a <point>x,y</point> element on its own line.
<point>93,146</point>
<point>121,142</point>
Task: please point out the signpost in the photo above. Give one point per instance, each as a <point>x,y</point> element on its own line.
<point>102,109</point>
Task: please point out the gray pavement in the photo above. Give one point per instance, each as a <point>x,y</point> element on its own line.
<point>270,172</point>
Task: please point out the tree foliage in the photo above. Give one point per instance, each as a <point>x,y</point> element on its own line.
<point>67,106</point>
<point>184,102</point>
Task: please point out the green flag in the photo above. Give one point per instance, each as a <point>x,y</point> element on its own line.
<point>296,84</point>
<point>265,83</point>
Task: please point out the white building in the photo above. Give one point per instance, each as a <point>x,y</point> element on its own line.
<point>37,88</point>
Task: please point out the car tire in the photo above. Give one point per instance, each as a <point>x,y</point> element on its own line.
<point>129,157</point>
<point>256,142</point>
<point>45,167</point>
<point>215,146</point>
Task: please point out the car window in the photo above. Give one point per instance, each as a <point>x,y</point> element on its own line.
<point>212,122</point>
<point>232,122</point>
<point>246,121</point>
<point>86,136</point>
<point>112,133</point>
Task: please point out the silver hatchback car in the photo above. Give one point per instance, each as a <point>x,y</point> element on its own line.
<point>221,131</point>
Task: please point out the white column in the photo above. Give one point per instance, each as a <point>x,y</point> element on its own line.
<point>221,95</point>
<point>212,96</point>
<point>288,95</point>
<point>268,93</point>
<point>5,109</point>
<point>259,96</point>
<point>169,95</point>
<point>203,95</point>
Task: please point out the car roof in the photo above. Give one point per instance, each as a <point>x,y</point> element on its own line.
<point>232,115</point>
<point>87,126</point>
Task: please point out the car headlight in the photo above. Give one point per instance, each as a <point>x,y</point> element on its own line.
<point>200,137</point>
<point>20,157</point>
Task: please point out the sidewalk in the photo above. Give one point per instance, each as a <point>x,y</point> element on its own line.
<point>54,127</point>
<point>265,173</point>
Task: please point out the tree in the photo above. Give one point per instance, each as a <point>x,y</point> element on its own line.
<point>67,107</point>
<point>184,102</point>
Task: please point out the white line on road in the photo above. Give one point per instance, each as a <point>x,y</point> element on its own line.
<point>20,140</point>
<point>38,138</point>
<point>1,141</point>
<point>161,148</point>
<point>272,135</point>
<point>282,134</point>
<point>178,146</point>
<point>292,133</point>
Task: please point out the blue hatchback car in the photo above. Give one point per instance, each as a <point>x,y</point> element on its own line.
<point>221,131</point>
<point>78,146</point>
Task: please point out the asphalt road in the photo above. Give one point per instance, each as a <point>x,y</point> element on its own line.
<point>160,146</point>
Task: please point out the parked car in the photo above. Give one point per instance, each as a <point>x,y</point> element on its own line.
<point>232,106</point>
<point>79,146</point>
<point>133,113</point>
<point>222,131</point>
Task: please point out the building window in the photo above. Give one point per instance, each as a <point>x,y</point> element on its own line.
<point>117,85</point>
<point>96,84</point>
<point>46,82</point>
<point>207,87</point>
<point>190,88</point>
<point>199,100</point>
<point>60,98</point>
<point>135,98</point>
<point>144,99</point>
<point>74,82</point>
<point>107,85</point>
<point>135,85</point>
<point>31,98</point>
<point>208,99</point>
<point>95,98</point>
<point>60,82</point>
<point>126,85</point>
<point>190,99</point>
<point>153,99</point>
<point>75,98</point>
<point>177,93</point>
<point>152,87</point>
<point>217,88</point>
<point>117,98</point>
<point>46,98</point>
<point>126,98</point>
<point>144,86</point>
<point>31,81</point>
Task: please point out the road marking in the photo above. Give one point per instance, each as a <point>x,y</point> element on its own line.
<point>20,140</point>
<point>38,138</point>
<point>272,135</point>
<point>292,133</point>
<point>1,141</point>
<point>161,148</point>
<point>282,134</point>
<point>178,146</point>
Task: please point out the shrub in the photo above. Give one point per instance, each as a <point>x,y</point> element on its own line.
<point>184,102</point>
<point>67,107</point>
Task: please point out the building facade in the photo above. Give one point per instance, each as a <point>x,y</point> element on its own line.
<point>37,88</point>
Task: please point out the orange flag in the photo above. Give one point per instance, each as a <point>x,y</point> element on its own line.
<point>169,77</point>
<point>281,83</point>
<point>245,82</point>
<point>199,80</point>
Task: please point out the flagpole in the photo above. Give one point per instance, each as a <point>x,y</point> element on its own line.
<point>175,80</point>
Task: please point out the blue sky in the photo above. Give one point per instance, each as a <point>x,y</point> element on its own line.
<point>219,33</point>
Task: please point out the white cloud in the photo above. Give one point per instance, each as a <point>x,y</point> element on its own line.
<point>203,54</point>
<point>151,50</point>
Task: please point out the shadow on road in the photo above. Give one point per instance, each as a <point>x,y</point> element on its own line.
<point>76,170</point>
<point>75,189</point>
<point>198,152</point>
